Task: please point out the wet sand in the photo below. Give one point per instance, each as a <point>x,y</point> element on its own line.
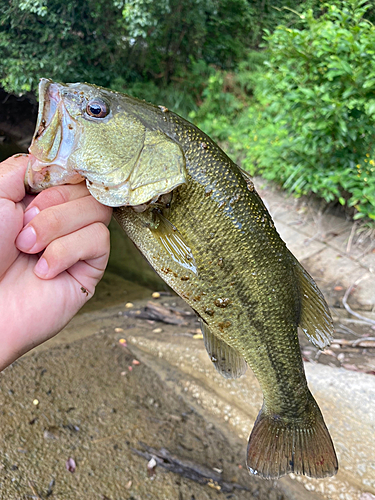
<point>91,402</point>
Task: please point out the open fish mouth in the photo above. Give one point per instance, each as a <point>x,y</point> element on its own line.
<point>85,132</point>
<point>54,140</point>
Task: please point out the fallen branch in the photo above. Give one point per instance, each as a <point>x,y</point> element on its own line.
<point>186,468</point>
<point>157,312</point>
<point>362,342</point>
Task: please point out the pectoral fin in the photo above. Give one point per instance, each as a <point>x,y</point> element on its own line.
<point>315,319</point>
<point>173,243</point>
<point>225,359</point>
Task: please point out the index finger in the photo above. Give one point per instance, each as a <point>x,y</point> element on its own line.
<point>12,174</point>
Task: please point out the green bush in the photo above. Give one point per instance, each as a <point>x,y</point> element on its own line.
<point>126,41</point>
<point>308,117</point>
<point>313,126</point>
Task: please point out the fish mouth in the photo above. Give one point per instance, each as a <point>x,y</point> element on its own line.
<point>54,140</point>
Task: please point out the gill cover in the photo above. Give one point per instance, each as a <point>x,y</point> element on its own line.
<point>123,159</point>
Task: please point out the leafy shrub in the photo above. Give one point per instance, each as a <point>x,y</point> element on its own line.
<point>313,127</point>
<point>102,41</point>
<point>310,124</point>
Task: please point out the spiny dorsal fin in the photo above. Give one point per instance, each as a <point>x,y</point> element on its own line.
<point>225,359</point>
<point>315,319</point>
<point>249,180</point>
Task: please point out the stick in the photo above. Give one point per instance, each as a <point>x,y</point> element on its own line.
<point>348,308</point>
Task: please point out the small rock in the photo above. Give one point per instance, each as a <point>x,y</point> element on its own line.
<point>151,467</point>
<point>71,465</point>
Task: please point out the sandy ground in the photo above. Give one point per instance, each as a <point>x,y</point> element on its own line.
<point>91,405</point>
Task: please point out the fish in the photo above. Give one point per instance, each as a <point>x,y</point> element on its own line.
<point>197,218</point>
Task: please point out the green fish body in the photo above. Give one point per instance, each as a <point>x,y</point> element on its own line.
<point>198,220</point>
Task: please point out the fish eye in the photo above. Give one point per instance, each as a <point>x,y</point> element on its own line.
<point>97,108</point>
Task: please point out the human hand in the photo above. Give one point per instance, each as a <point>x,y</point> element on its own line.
<point>39,294</point>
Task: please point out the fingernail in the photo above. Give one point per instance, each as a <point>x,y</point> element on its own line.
<point>30,214</point>
<point>41,268</point>
<point>26,239</point>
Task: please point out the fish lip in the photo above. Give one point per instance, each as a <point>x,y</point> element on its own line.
<point>41,125</point>
<point>50,154</point>
<point>42,175</point>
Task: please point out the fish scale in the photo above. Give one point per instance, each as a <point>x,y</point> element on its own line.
<point>213,241</point>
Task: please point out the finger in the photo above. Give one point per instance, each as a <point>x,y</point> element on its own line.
<point>55,196</point>
<point>61,220</point>
<point>90,244</point>
<point>11,216</point>
<point>12,174</point>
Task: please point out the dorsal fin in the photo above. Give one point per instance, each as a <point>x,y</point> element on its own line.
<point>315,319</point>
<point>226,360</point>
<point>249,180</point>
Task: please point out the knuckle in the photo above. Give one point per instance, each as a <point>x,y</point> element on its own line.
<point>103,234</point>
<point>55,253</point>
<point>52,221</point>
<point>50,197</point>
<point>103,212</point>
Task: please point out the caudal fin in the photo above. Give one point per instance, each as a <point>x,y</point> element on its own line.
<point>278,447</point>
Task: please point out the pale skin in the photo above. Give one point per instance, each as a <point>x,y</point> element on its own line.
<point>54,248</point>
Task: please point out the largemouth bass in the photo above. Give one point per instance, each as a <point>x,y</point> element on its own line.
<point>198,220</point>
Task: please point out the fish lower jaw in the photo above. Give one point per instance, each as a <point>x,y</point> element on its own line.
<point>42,175</point>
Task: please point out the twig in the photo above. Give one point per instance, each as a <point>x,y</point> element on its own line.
<point>352,321</point>
<point>355,343</point>
<point>344,329</point>
<point>348,308</point>
<point>364,339</point>
<point>187,468</point>
<point>351,236</point>
<point>36,494</point>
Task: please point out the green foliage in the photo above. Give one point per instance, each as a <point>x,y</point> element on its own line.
<point>129,41</point>
<point>104,41</point>
<point>67,41</point>
<point>311,125</point>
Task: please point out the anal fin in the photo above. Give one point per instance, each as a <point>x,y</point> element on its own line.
<point>226,360</point>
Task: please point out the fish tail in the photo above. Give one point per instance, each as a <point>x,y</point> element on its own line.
<point>279,446</point>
